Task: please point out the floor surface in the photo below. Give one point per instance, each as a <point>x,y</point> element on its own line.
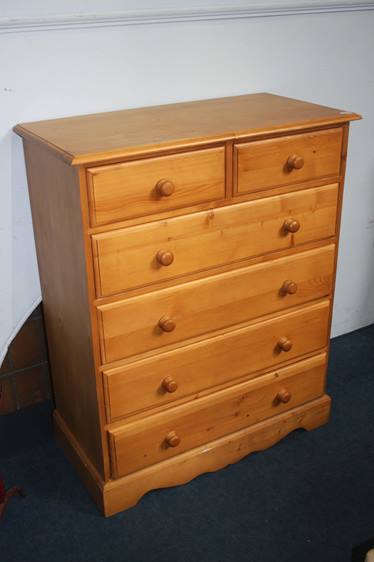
<point>309,498</point>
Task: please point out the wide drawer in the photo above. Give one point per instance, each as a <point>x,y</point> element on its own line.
<point>161,250</point>
<point>188,370</point>
<point>150,321</point>
<point>164,435</point>
<point>276,162</point>
<point>155,185</point>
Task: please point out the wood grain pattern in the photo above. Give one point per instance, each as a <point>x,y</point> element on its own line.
<point>190,253</point>
<point>264,164</point>
<point>128,257</point>
<point>55,204</point>
<point>163,435</point>
<point>230,199</point>
<point>132,189</point>
<point>126,492</point>
<point>215,361</point>
<point>131,326</point>
<point>122,493</point>
<point>115,135</point>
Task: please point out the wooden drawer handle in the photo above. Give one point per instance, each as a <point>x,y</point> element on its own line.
<point>289,287</point>
<point>169,384</point>
<point>284,344</point>
<point>291,225</point>
<point>295,162</point>
<point>283,396</point>
<point>166,324</point>
<point>165,257</point>
<point>164,188</point>
<point>172,439</point>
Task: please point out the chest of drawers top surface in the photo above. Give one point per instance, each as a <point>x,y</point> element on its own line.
<point>117,134</point>
<point>187,257</point>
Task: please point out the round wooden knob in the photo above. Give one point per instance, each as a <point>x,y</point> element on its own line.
<point>285,344</point>
<point>291,225</point>
<point>172,439</point>
<point>166,324</point>
<point>283,396</point>
<point>295,162</point>
<point>164,188</point>
<point>165,257</point>
<point>169,384</point>
<point>289,287</point>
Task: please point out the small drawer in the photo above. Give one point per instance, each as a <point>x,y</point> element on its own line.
<point>141,255</point>
<point>150,321</point>
<point>166,434</point>
<point>281,161</point>
<point>191,369</point>
<point>155,185</point>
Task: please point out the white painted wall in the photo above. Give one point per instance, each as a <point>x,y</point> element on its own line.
<point>325,58</point>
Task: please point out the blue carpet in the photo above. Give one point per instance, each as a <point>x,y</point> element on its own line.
<point>309,498</point>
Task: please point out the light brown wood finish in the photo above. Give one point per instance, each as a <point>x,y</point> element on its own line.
<point>155,185</point>
<point>131,326</point>
<point>203,240</point>
<point>126,492</point>
<point>287,160</point>
<point>118,134</point>
<point>215,361</point>
<point>55,203</point>
<point>115,495</point>
<point>151,226</point>
<point>163,435</point>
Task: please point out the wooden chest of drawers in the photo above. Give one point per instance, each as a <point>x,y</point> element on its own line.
<point>187,258</point>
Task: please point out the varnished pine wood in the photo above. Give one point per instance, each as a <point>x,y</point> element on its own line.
<point>154,185</point>
<point>164,188</point>
<point>203,234</point>
<point>172,439</point>
<point>130,326</point>
<point>158,437</point>
<point>167,324</point>
<point>214,361</point>
<point>55,204</point>
<point>230,199</point>
<point>169,384</point>
<point>164,257</point>
<point>296,162</point>
<point>117,495</point>
<point>203,240</point>
<point>291,226</point>
<point>126,492</point>
<point>114,135</point>
<point>287,160</point>
<point>289,287</point>
<point>283,396</point>
<point>285,344</point>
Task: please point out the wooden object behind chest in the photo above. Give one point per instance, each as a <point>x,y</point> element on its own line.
<point>187,257</point>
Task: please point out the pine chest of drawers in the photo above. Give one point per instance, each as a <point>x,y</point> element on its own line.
<point>187,258</point>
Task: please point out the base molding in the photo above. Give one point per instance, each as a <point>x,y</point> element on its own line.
<point>79,460</point>
<point>117,495</point>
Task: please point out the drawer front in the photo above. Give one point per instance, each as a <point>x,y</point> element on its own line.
<point>191,369</point>
<point>150,321</point>
<point>162,250</point>
<point>286,160</point>
<point>155,185</point>
<point>164,435</point>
